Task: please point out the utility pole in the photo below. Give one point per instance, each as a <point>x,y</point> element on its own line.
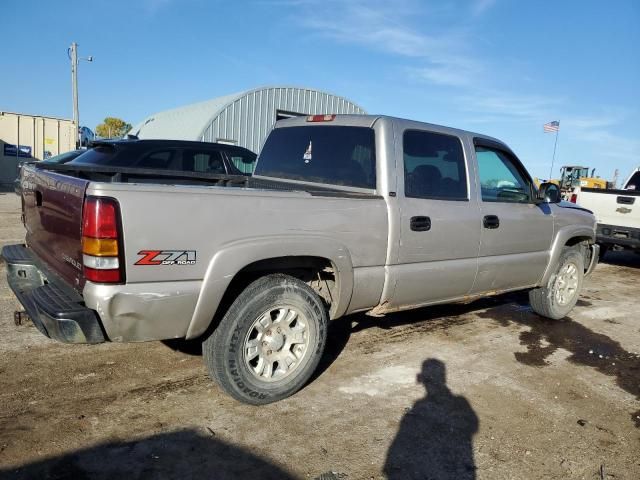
<point>553,159</point>
<point>72,52</point>
<point>74,89</point>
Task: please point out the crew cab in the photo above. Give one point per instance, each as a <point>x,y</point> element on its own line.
<point>617,213</point>
<point>344,214</point>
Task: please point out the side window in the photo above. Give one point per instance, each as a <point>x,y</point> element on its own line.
<point>159,159</point>
<point>245,162</point>
<point>209,161</point>
<point>434,166</point>
<point>500,180</point>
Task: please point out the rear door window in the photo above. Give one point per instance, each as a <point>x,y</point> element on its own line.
<point>336,155</point>
<point>434,166</point>
<point>155,160</point>
<point>209,161</point>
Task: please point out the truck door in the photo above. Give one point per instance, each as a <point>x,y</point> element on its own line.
<point>439,221</point>
<point>516,233</point>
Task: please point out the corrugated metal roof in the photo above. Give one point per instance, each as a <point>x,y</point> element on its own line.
<point>244,118</point>
<point>183,123</point>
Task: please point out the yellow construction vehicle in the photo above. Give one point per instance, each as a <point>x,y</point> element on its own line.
<point>572,176</point>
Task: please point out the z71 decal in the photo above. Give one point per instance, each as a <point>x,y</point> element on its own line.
<point>167,257</point>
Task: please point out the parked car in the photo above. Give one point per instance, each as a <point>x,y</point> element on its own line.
<point>169,155</point>
<point>86,136</point>
<point>617,212</point>
<point>62,158</point>
<point>347,213</point>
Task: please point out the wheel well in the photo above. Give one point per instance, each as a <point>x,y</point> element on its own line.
<point>317,272</point>
<point>576,240</point>
<point>583,243</point>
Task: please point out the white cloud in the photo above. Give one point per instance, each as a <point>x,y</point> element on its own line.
<point>388,28</point>
<point>479,7</point>
<point>438,48</point>
<point>152,6</point>
<point>494,104</point>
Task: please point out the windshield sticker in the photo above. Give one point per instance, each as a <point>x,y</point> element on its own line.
<point>167,257</point>
<point>307,155</point>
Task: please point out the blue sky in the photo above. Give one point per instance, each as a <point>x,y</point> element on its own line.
<point>500,67</point>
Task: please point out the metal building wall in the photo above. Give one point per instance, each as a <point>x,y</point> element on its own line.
<point>247,120</point>
<point>38,138</point>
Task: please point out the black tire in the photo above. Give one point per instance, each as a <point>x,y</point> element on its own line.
<point>544,301</point>
<point>246,379</point>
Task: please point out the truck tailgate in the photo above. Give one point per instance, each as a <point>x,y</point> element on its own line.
<point>53,220</point>
<point>612,207</point>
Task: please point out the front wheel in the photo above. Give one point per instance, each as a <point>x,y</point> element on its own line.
<point>559,296</point>
<point>269,342</point>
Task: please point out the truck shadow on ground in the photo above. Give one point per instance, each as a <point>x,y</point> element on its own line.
<point>543,337</point>
<point>622,259</point>
<point>175,455</point>
<point>393,327</point>
<point>435,438</point>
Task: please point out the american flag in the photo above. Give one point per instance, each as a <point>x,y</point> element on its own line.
<point>551,126</point>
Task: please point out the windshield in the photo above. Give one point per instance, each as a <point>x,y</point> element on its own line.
<point>65,157</point>
<point>334,155</point>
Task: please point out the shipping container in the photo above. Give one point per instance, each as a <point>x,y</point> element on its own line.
<point>31,137</point>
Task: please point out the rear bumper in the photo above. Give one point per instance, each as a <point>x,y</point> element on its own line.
<point>617,236</point>
<point>54,307</point>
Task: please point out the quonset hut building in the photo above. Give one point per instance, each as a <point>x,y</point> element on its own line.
<point>244,118</point>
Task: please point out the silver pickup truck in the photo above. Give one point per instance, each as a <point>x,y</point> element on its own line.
<point>343,214</point>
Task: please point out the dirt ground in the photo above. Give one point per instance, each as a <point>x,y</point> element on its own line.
<point>487,390</point>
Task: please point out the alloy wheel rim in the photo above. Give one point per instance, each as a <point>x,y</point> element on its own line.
<point>566,284</point>
<point>277,343</point>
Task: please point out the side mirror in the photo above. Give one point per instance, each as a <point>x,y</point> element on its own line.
<point>549,193</point>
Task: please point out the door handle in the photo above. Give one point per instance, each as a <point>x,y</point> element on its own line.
<point>420,224</point>
<point>491,222</point>
<point>625,200</point>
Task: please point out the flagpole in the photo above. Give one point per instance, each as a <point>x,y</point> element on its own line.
<point>553,159</point>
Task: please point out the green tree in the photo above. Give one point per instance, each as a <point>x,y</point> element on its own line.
<point>112,128</point>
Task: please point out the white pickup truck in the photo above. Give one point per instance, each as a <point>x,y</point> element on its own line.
<point>617,212</point>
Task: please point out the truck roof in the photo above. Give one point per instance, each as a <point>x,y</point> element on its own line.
<point>167,143</point>
<point>370,120</point>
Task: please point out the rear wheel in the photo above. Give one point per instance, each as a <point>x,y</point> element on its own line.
<point>559,296</point>
<point>269,342</point>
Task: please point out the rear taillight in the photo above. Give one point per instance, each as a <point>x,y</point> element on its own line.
<point>574,198</point>
<point>101,243</point>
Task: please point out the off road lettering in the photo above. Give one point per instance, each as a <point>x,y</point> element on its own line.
<point>167,257</point>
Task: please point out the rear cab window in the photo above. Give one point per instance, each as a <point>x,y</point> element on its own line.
<point>434,166</point>
<point>332,155</point>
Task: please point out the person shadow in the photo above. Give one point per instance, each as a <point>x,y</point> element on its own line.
<point>435,438</point>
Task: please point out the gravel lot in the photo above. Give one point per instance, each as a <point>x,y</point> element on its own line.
<point>487,390</point>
